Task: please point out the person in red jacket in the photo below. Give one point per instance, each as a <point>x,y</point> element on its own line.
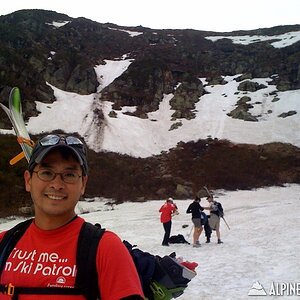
<point>167,210</point>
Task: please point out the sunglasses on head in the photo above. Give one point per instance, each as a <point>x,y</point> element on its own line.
<point>53,139</point>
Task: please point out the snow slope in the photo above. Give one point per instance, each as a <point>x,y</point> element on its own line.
<point>150,136</point>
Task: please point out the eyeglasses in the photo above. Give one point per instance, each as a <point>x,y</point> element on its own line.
<point>53,139</point>
<point>49,175</point>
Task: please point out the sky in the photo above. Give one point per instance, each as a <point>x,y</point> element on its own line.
<point>209,15</point>
<point>261,249</point>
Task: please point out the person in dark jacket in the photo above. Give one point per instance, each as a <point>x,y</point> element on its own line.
<point>199,219</point>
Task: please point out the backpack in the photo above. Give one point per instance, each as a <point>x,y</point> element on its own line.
<point>177,239</point>
<point>152,270</point>
<point>220,209</point>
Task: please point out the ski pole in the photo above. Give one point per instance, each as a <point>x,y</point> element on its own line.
<point>225,223</point>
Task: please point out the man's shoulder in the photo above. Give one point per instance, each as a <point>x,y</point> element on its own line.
<point>112,248</point>
<point>110,238</point>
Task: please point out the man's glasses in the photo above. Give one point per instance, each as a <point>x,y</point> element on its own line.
<point>53,139</point>
<point>66,176</point>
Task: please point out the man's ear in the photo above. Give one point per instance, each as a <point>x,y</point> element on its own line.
<point>84,182</point>
<point>27,180</point>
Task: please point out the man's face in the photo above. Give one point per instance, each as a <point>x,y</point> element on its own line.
<point>55,197</point>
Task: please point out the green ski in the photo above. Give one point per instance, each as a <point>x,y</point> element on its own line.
<point>14,112</point>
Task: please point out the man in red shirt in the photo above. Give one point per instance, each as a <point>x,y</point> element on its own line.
<point>167,210</point>
<point>45,256</point>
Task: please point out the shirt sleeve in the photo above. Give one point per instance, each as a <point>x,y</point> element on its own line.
<point>118,277</point>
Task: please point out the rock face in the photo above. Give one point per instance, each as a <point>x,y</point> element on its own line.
<point>241,110</point>
<point>36,49</point>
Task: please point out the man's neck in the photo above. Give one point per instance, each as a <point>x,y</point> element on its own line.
<point>53,222</point>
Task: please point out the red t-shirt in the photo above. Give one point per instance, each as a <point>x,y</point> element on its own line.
<point>48,259</point>
<point>166,212</point>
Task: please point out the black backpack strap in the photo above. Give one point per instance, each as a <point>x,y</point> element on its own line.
<point>10,240</point>
<point>87,276</point>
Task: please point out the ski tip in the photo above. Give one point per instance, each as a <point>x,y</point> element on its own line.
<point>15,92</point>
<point>15,100</point>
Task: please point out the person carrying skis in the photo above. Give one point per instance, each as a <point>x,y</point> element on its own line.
<point>167,210</point>
<point>216,212</point>
<point>199,219</point>
<point>45,256</point>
